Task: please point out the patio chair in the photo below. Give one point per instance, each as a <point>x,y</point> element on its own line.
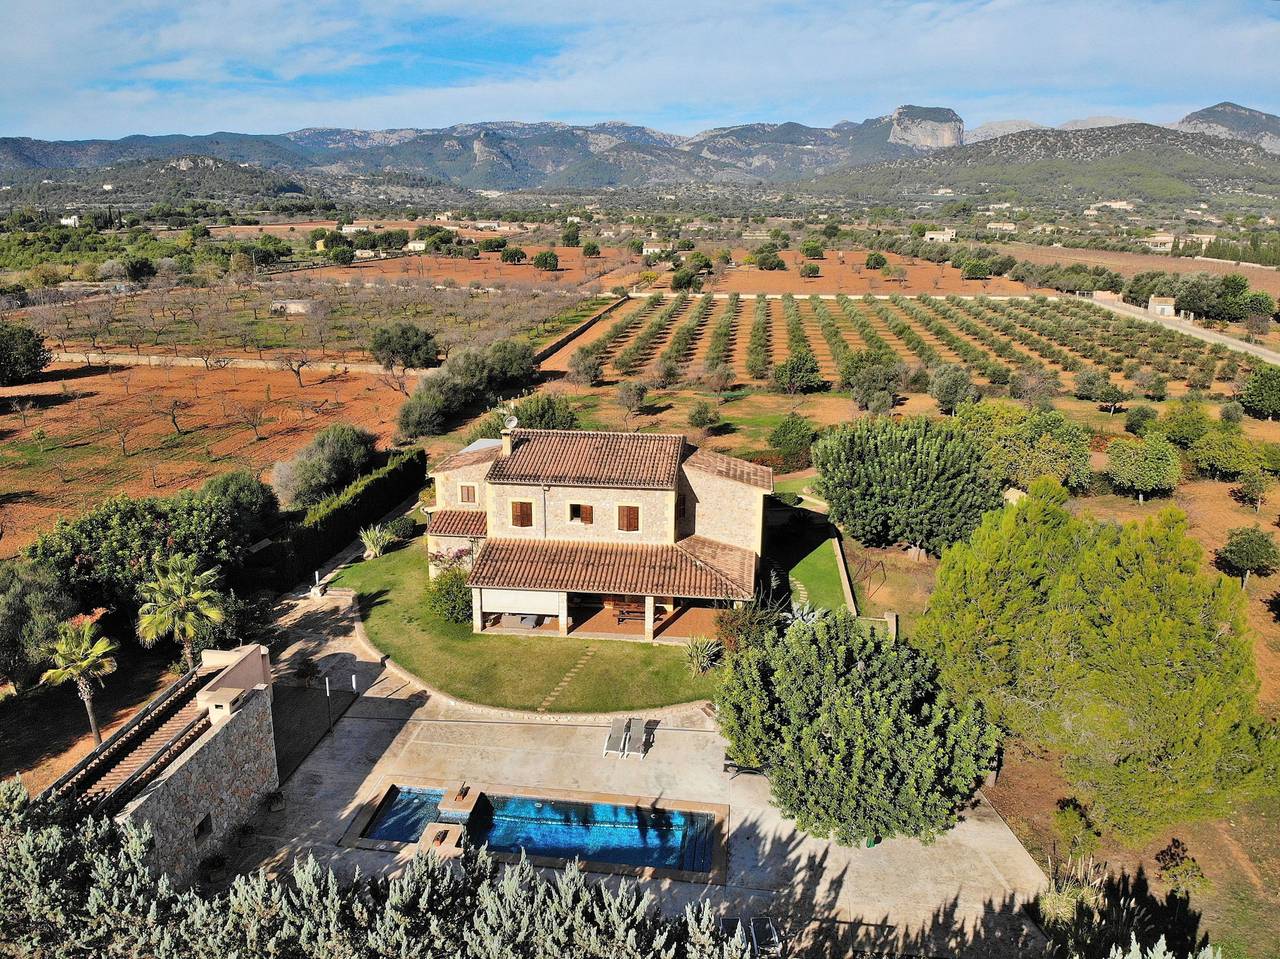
<point>765,940</point>
<point>619,738</point>
<point>637,739</point>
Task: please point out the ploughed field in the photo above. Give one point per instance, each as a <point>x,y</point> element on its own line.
<point>82,434</point>
<point>487,270</point>
<point>994,339</point>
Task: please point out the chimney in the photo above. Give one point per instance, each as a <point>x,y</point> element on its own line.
<point>506,442</point>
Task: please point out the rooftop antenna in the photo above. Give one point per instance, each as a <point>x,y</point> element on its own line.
<point>510,422</point>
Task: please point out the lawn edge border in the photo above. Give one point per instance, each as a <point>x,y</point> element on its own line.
<point>350,599</point>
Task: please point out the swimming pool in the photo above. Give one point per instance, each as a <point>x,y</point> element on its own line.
<point>602,832</point>
<point>405,811</point>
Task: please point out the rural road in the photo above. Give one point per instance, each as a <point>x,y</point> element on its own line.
<point>1199,332</point>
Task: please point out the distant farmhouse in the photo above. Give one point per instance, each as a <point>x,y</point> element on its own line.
<point>940,236</point>
<point>597,533</point>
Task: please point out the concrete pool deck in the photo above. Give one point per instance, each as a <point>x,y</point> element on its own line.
<point>960,895</point>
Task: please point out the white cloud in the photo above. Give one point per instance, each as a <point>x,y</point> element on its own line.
<point>77,69</point>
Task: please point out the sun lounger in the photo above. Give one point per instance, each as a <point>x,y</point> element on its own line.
<point>637,740</point>
<point>765,940</point>
<point>618,738</point>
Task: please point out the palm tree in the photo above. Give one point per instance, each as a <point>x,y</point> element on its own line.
<point>180,602</point>
<point>81,656</point>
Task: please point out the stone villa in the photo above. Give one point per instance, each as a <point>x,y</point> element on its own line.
<point>638,535</point>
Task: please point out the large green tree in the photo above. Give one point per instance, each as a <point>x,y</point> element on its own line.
<point>1147,464</point>
<point>403,345</point>
<point>1261,395</point>
<point>22,354</point>
<point>1024,444</point>
<point>856,736</point>
<point>1112,645</point>
<point>921,481</point>
<point>32,605</point>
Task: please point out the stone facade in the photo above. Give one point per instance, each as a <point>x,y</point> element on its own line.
<point>449,486</point>
<point>722,510</point>
<point>551,513</point>
<point>196,805</point>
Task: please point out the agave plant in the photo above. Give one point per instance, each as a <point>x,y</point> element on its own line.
<point>376,539</point>
<point>702,654</point>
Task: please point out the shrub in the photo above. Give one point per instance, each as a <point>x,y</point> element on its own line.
<point>703,416</point>
<point>22,354</point>
<point>546,260</point>
<point>542,411</point>
<point>402,527</point>
<point>702,654</point>
<point>1231,413</point>
<point>1139,419</point>
<point>252,502</point>
<point>1180,870</point>
<point>336,456</point>
<point>1078,834</point>
<point>876,261</point>
<point>375,540</point>
<point>792,439</point>
<point>449,596</point>
<point>403,345</point>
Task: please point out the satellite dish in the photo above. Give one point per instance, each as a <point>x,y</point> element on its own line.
<point>510,422</point>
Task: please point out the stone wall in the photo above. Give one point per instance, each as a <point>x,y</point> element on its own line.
<point>447,486</point>
<point>657,513</point>
<point>722,510</point>
<point>225,775</point>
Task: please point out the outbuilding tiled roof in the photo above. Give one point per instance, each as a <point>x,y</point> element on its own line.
<point>731,468</point>
<point>701,569</point>
<point>590,458</point>
<point>457,522</point>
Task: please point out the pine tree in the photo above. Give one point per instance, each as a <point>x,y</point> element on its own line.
<point>920,482</point>
<point>857,738</point>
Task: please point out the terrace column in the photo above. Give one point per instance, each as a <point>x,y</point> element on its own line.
<point>477,613</point>
<point>563,612</point>
<point>648,618</point>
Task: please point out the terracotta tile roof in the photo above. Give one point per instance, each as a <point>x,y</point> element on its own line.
<point>589,458</point>
<point>481,451</point>
<point>681,569</point>
<point>731,468</point>
<point>457,522</point>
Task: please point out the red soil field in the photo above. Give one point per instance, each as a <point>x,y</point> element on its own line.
<point>488,269</point>
<point>843,271</point>
<point>82,412</point>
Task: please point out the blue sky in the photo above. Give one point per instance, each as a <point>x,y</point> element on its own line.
<point>76,69</point>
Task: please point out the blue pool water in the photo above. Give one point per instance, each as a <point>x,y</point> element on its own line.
<point>404,813</point>
<point>560,829</point>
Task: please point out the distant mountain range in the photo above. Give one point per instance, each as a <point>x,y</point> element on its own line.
<point>1133,160</point>
<point>517,156</point>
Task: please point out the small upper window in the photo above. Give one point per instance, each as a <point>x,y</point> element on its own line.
<point>521,514</point>
<point>581,513</point>
<point>629,518</point>
<point>467,493</point>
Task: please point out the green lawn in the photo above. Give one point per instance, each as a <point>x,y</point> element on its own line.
<point>821,576</point>
<point>515,672</point>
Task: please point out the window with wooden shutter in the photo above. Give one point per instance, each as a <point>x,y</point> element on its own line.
<point>467,493</point>
<point>629,518</point>
<point>521,514</point>
<point>580,513</point>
